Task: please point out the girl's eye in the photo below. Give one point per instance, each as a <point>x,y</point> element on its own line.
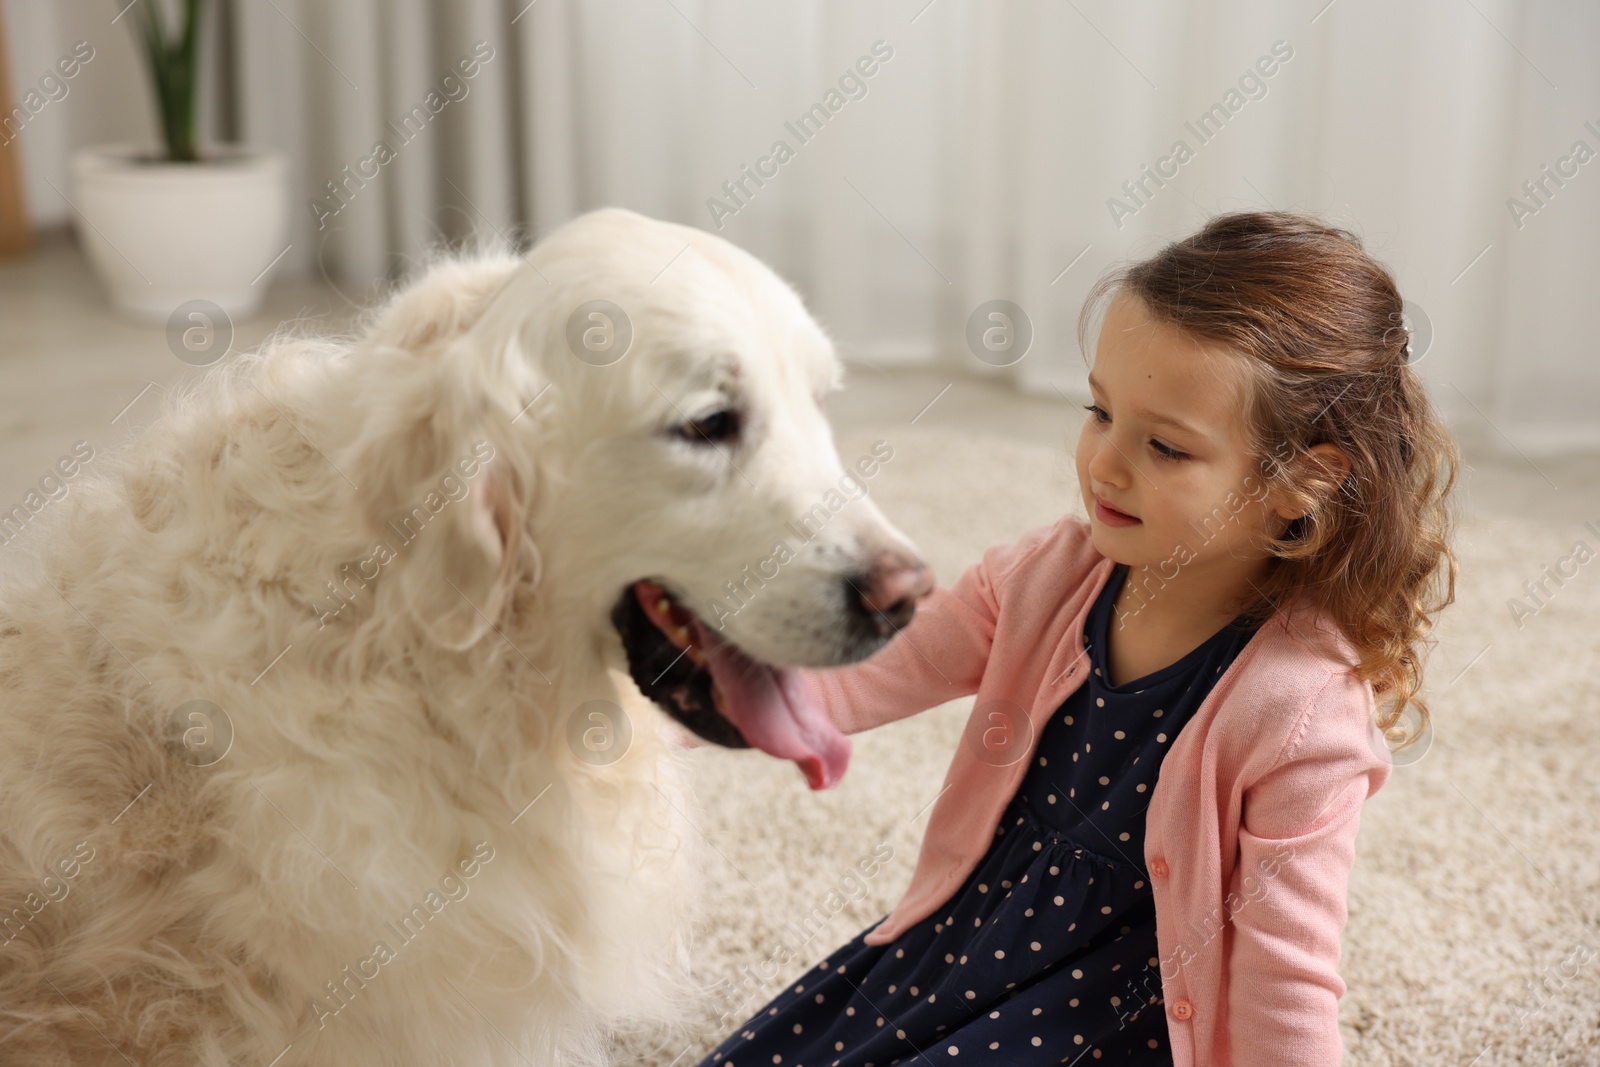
<point>718,426</point>
<point>1165,451</point>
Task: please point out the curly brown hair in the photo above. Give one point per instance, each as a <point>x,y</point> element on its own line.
<point>1320,324</point>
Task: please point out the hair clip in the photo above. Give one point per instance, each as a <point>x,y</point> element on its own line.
<point>1405,325</point>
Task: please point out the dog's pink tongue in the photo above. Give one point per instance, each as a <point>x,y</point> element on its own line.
<point>775,712</point>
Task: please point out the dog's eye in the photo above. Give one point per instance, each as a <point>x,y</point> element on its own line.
<point>713,428</point>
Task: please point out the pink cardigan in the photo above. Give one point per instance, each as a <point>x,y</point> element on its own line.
<point>1250,834</point>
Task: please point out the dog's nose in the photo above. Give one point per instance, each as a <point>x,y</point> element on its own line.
<point>886,596</point>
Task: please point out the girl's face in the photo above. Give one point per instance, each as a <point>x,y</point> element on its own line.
<point>1165,443</point>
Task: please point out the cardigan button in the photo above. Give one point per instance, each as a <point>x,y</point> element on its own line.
<point>1158,868</point>
<point>1182,1009</point>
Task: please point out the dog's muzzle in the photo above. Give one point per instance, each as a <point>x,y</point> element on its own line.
<point>721,693</point>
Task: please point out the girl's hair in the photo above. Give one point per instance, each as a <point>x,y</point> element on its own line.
<point>1318,324</point>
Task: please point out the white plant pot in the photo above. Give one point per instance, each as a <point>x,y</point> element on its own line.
<point>160,234</point>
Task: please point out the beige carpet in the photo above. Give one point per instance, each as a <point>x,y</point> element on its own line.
<point>1474,931</point>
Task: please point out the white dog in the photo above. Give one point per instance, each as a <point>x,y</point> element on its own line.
<point>313,746</point>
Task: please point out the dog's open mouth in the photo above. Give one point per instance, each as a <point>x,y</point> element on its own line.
<point>719,692</point>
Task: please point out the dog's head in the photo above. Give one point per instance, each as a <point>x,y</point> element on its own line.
<point>633,415</point>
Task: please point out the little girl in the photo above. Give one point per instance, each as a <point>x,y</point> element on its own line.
<point>1141,850</point>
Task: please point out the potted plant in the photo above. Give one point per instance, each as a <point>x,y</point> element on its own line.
<point>202,223</point>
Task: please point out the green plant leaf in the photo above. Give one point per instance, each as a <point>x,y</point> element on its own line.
<point>174,73</point>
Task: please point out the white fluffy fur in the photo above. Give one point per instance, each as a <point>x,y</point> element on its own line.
<point>378,745</point>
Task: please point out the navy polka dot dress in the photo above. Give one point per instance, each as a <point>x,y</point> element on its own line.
<point>1047,953</point>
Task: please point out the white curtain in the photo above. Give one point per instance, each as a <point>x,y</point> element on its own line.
<point>980,158</point>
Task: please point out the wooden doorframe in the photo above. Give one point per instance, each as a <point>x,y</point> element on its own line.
<point>16,238</point>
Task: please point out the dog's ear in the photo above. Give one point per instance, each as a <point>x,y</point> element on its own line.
<point>461,567</point>
<point>441,485</point>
